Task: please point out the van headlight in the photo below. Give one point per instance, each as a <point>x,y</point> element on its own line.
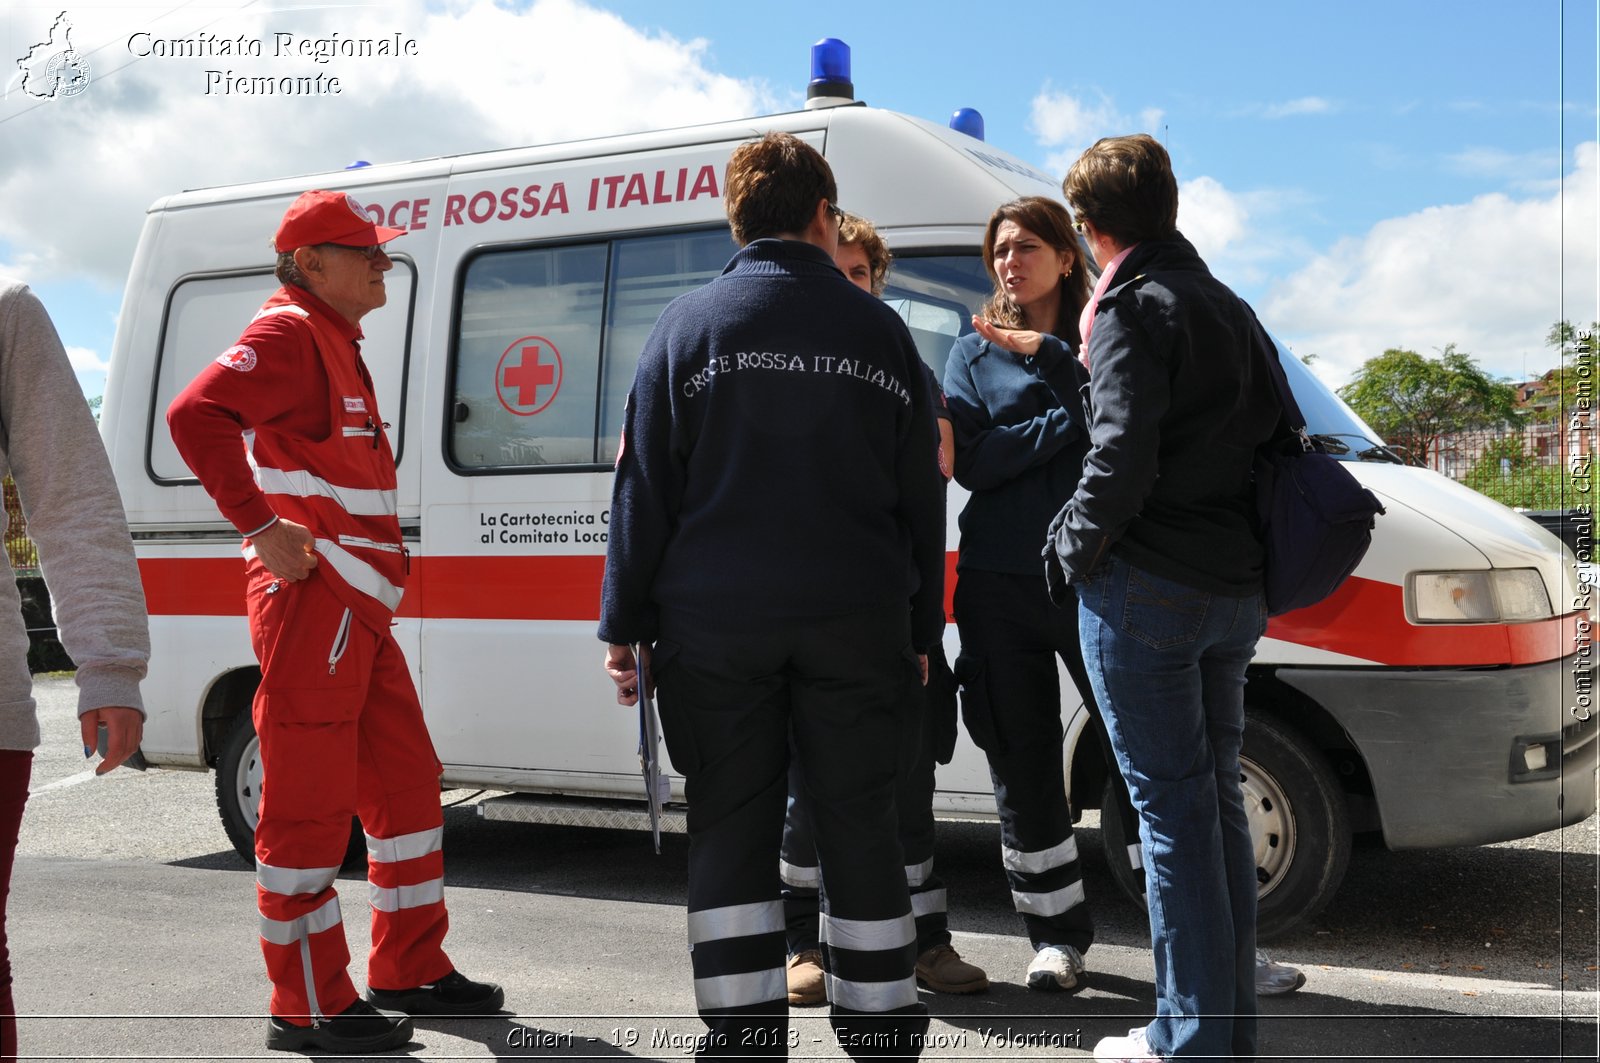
<point>1493,596</point>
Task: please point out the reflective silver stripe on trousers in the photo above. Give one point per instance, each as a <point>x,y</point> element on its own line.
<point>405,846</point>
<point>872,996</point>
<point>867,935</point>
<point>917,874</point>
<point>736,921</point>
<point>394,898</point>
<point>928,903</point>
<point>357,501</point>
<point>288,931</point>
<point>1043,860</point>
<point>1048,903</point>
<point>360,575</point>
<point>290,881</point>
<point>742,990</point>
<point>806,878</point>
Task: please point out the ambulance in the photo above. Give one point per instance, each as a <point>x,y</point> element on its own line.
<point>1442,697</point>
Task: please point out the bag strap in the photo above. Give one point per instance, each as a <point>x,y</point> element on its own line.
<point>1292,421</point>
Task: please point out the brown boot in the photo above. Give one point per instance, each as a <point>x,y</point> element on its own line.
<point>806,984</point>
<point>943,970</point>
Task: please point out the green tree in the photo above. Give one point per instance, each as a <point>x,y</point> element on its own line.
<point>1411,401</point>
<point>1575,376</point>
<point>1508,473</point>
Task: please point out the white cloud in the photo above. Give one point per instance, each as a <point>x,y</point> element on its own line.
<point>78,174</point>
<point>1210,216</point>
<point>1304,105</point>
<point>85,360</point>
<point>1490,275</point>
<point>1067,124</point>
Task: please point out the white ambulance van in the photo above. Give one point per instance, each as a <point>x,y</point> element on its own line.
<point>1441,698</point>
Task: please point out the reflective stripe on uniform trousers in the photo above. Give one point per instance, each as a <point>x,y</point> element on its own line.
<point>291,881</point>
<point>1036,863</point>
<point>750,987</point>
<point>805,878</point>
<point>917,874</point>
<point>405,846</point>
<point>870,935</point>
<point>931,902</point>
<point>360,575</point>
<point>288,932</point>
<point>394,898</point>
<point>1048,904</point>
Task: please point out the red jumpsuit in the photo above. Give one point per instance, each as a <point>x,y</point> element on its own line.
<point>340,725</point>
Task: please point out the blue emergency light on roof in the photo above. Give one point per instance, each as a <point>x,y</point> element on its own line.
<point>358,164</point>
<point>968,121</point>
<point>830,74</point>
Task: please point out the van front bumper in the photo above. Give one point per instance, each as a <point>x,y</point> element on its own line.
<point>1467,756</point>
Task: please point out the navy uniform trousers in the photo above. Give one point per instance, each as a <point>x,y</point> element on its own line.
<point>802,879</point>
<point>1011,635</point>
<point>731,693</point>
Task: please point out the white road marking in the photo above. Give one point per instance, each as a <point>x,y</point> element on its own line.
<point>61,784</point>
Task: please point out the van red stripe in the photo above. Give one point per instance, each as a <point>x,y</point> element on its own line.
<point>1365,619</point>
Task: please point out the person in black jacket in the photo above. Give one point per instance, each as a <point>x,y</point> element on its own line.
<point>1013,391</point>
<point>777,535</point>
<point>863,257</point>
<point>1160,543</point>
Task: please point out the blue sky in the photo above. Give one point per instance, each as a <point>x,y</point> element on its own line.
<point>1407,173</point>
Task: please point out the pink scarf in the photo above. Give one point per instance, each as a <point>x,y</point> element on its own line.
<point>1086,320</point>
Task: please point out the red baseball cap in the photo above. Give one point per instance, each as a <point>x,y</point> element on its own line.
<point>321,217</point>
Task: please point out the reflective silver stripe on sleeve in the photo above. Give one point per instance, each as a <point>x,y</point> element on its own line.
<point>288,931</point>
<point>360,575</point>
<point>928,903</point>
<point>405,846</point>
<point>872,996</point>
<point>1048,903</point>
<point>357,501</point>
<point>917,874</point>
<point>1136,857</point>
<point>737,921</point>
<point>742,990</point>
<point>290,881</point>
<point>1043,860</point>
<point>394,898</point>
<point>806,878</point>
<point>868,935</point>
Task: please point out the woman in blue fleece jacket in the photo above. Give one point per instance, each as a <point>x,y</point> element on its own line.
<point>1013,392</point>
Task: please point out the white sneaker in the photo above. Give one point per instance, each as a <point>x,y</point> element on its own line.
<point>1276,979</point>
<point>1055,967</point>
<point>1133,1048</point>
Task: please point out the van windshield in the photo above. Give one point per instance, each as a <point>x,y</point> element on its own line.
<point>937,295</point>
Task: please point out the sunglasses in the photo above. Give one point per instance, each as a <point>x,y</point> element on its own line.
<point>369,252</point>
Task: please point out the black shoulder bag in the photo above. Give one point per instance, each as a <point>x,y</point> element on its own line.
<point>1316,518</point>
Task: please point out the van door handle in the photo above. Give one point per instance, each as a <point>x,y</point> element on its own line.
<point>459,412</point>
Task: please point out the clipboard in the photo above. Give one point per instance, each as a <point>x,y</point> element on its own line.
<point>650,752</point>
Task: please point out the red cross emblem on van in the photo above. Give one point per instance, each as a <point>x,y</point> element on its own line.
<point>528,376</point>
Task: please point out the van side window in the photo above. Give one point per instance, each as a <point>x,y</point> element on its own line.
<point>527,358</point>
<point>548,340</point>
<point>206,313</point>
<point>647,273</point>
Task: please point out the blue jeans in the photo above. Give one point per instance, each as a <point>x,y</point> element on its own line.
<point>1167,663</point>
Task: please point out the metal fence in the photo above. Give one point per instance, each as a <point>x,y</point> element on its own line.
<point>19,548</point>
<point>1544,465</point>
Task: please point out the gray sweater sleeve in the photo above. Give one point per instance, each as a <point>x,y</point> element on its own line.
<point>49,442</point>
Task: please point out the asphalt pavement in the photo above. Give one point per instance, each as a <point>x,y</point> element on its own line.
<point>132,926</point>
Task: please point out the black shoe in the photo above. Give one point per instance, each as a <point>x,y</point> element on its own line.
<point>358,1028</point>
<point>454,994</point>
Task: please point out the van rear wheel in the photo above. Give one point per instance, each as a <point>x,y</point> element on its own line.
<point>1297,822</point>
<point>239,793</point>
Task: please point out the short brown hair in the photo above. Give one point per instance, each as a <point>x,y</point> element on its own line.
<point>856,231</point>
<point>773,185</point>
<point>1125,187</point>
<point>1051,222</point>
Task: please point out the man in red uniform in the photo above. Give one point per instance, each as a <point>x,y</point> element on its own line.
<point>312,489</point>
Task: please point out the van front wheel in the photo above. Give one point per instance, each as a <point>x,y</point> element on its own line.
<point>239,793</point>
<point>1297,822</point>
